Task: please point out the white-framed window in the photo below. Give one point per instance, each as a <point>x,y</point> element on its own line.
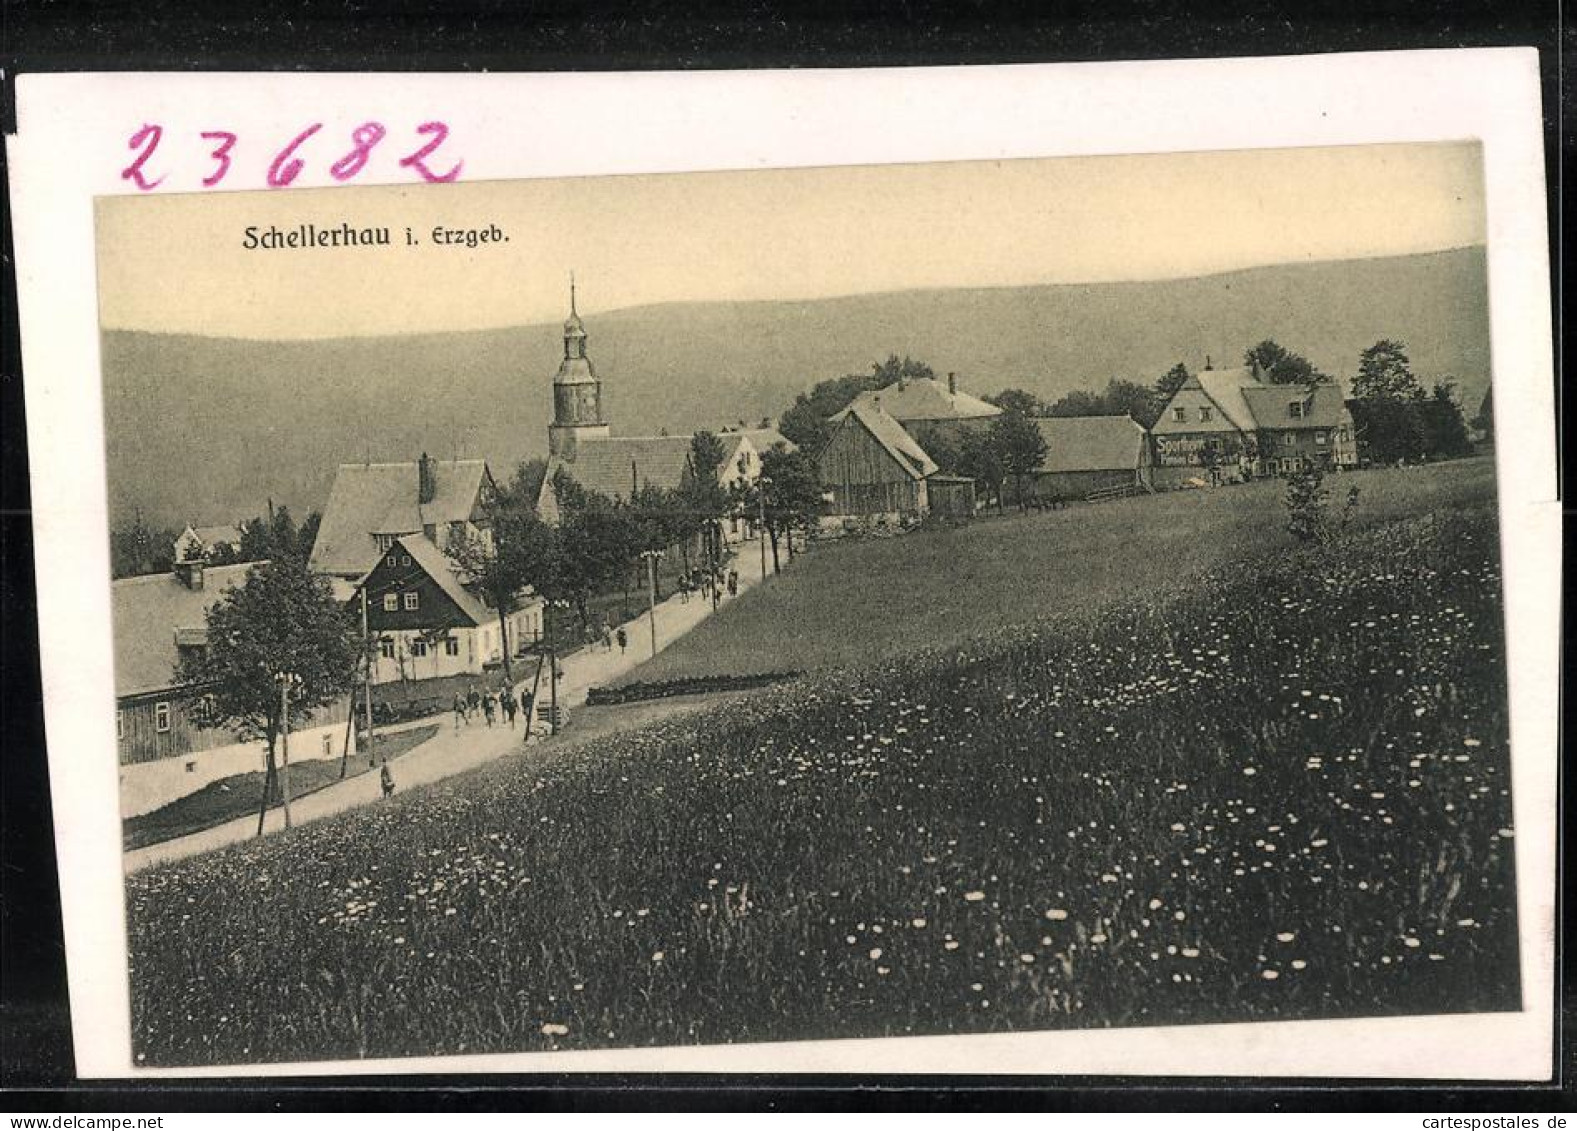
<point>451,647</point>
<point>384,541</point>
<point>1341,433</point>
<point>1180,414</point>
<point>386,648</point>
<point>413,600</point>
<point>1319,438</point>
<point>418,648</point>
<point>405,559</point>
<point>1204,414</point>
<point>391,602</point>
<point>392,561</point>
<point>161,718</point>
<point>1287,440</point>
<point>1295,409</point>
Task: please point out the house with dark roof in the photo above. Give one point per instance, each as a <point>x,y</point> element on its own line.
<point>1087,454</point>
<point>428,623</point>
<point>166,746</point>
<point>207,542</point>
<point>1234,422</point>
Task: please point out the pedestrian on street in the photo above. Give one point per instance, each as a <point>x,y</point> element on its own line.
<point>488,707</point>
<point>607,639</point>
<point>508,702</point>
<point>459,710</point>
<point>623,638</point>
<point>475,701</point>
<point>525,707</point>
<point>684,590</point>
<point>387,778</point>
<point>733,583</point>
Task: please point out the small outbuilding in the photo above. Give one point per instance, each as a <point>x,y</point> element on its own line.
<point>871,467</point>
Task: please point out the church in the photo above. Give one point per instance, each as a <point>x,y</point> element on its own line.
<point>581,444</point>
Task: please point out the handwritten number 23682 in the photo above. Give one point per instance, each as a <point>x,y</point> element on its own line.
<point>286,165</point>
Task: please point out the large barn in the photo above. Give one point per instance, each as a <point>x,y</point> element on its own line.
<point>871,467</point>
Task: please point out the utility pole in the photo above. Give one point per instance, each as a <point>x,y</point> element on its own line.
<point>366,644</point>
<point>761,524</point>
<point>285,680</point>
<point>651,593</point>
<point>553,677</point>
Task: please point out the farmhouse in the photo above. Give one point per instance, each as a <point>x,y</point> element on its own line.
<point>1234,421</point>
<point>166,747</point>
<point>926,407</point>
<point>1092,454</point>
<point>397,521</point>
<point>206,541</point>
<point>871,467</point>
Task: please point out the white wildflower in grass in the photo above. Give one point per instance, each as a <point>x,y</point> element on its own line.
<point>1506,834</point>
<point>1056,914</point>
<point>876,952</point>
<point>974,896</point>
<point>1269,975</point>
<point>1190,952</point>
<point>553,1029</point>
<point>917,923</point>
<point>1179,915</point>
<point>1155,905</point>
<point>950,944</point>
<point>1249,771</point>
<point>1286,936</point>
<point>1299,964</point>
<point>1026,959</point>
<point>1410,942</point>
<point>657,956</point>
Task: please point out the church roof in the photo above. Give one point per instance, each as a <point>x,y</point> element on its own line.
<point>922,398</point>
<point>1091,443</point>
<point>615,465</point>
<point>382,498</point>
<point>147,614</point>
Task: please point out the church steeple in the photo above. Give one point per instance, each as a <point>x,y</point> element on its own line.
<point>577,393</point>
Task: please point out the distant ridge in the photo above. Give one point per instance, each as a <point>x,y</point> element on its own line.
<point>204,428</point>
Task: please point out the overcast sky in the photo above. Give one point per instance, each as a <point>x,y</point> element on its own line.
<point>176,262</point>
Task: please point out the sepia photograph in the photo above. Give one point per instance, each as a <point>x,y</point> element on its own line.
<point>800,604</point>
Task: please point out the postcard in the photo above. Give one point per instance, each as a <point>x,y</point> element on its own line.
<point>878,597</point>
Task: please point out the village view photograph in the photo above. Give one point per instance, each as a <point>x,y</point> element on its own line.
<point>803,604</point>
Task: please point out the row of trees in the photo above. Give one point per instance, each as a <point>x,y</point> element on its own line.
<point>1396,419</point>
<point>137,548</point>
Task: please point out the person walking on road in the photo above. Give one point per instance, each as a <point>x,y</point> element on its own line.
<point>475,701</point>
<point>387,778</point>
<point>507,699</point>
<point>459,710</point>
<point>488,707</point>
<point>623,638</point>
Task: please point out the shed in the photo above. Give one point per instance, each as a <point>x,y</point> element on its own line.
<point>871,466</point>
<point>1085,454</point>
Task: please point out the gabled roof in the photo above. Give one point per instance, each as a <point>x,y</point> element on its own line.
<point>1323,406</point>
<point>765,439</point>
<point>615,466</point>
<point>382,498</point>
<point>1225,388</point>
<point>147,614</point>
<point>921,398</point>
<point>1091,443</point>
<point>213,535</point>
<point>887,432</point>
<point>436,565</point>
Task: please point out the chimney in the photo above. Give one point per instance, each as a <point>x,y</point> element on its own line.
<point>426,480</point>
<point>952,384</point>
<point>190,573</point>
<point>1208,366</point>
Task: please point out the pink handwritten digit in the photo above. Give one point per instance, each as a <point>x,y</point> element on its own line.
<point>418,160</point>
<point>285,167</point>
<point>133,172</point>
<point>365,136</point>
<point>221,155</point>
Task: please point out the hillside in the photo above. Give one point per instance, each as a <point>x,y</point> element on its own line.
<point>206,428</point>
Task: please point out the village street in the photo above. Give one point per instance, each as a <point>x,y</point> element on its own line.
<point>452,751</point>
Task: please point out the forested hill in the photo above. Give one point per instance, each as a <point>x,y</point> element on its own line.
<point>207,429</point>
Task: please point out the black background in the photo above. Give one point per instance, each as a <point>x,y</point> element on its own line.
<point>36,1070</point>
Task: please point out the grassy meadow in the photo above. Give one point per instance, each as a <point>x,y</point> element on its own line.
<point>1269,788</point>
<point>858,602</point>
